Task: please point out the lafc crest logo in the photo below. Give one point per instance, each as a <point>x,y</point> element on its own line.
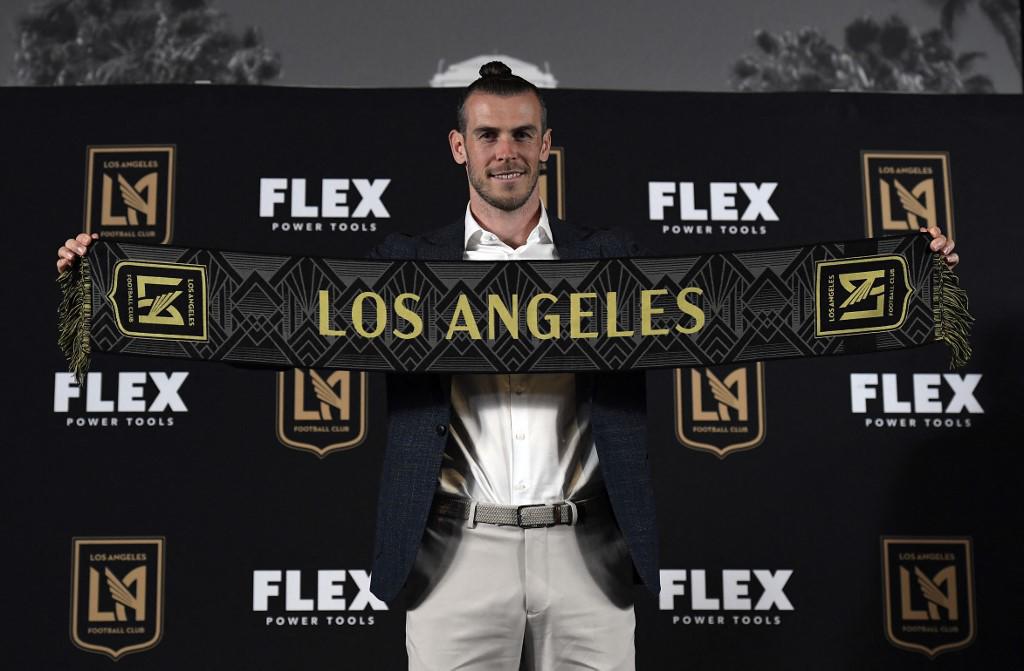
<point>720,409</point>
<point>117,594</point>
<point>861,295</point>
<point>130,192</point>
<point>551,182</point>
<point>165,301</point>
<point>321,410</point>
<point>929,593</point>
<point>905,190</point>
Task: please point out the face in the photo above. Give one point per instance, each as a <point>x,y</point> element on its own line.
<point>502,148</point>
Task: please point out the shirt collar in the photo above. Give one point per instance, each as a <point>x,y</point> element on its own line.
<point>474,233</point>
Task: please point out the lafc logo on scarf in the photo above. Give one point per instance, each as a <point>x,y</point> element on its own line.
<point>117,594</point>
<point>130,192</point>
<point>321,410</point>
<point>720,409</point>
<point>861,295</point>
<point>160,300</point>
<point>904,191</point>
<point>929,593</point>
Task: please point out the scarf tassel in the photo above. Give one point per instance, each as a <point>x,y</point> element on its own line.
<point>73,317</point>
<point>952,319</point>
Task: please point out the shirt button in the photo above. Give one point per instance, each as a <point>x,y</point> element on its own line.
<point>520,389</point>
<point>520,436</point>
<point>520,486</point>
<point>441,429</point>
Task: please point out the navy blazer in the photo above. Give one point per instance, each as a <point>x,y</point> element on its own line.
<point>419,407</point>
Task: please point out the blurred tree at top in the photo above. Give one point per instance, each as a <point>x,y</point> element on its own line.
<point>887,56</point>
<point>1004,15</point>
<point>70,42</point>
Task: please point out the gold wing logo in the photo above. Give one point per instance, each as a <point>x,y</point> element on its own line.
<point>937,598</point>
<point>326,394</point>
<point>132,196</point>
<point>721,391</point>
<point>161,308</point>
<point>914,207</point>
<point>860,292</point>
<point>130,192</point>
<point>135,203</point>
<point>929,593</point>
<point>721,410</point>
<point>121,593</point>
<point>321,411</point>
<point>863,294</point>
<point>167,301</point>
<point>117,594</point>
<point>905,190</point>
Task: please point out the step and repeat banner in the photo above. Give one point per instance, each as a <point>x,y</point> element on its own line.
<point>831,513</point>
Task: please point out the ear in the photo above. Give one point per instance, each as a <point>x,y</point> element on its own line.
<point>545,145</point>
<point>458,146</point>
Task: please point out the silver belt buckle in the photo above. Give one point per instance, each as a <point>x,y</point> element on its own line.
<point>541,525</point>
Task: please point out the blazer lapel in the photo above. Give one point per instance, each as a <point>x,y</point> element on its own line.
<point>446,244</point>
<point>571,241</point>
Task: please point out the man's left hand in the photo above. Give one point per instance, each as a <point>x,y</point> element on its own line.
<point>942,245</point>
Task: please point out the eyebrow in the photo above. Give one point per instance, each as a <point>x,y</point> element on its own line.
<point>491,129</point>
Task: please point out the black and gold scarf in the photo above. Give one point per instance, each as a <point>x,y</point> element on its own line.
<point>529,316</point>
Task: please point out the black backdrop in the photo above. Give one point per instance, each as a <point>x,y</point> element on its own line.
<point>806,490</point>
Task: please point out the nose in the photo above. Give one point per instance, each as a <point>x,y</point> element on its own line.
<point>504,148</point>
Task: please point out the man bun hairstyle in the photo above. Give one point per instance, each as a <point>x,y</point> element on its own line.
<point>497,79</point>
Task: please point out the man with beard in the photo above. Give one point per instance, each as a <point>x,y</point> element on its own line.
<point>503,496</point>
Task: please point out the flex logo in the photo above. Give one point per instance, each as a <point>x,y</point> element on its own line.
<point>286,602</point>
<point>716,202</point>
<point>130,192</point>
<point>165,301</point>
<point>131,398</point>
<point>929,593</point>
<point>890,400</point>
<point>292,206</point>
<point>861,295</point>
<point>321,410</point>
<point>721,409</point>
<point>906,190</point>
<point>749,597</point>
<point>117,594</point>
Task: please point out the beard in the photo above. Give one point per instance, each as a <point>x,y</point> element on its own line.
<point>489,191</point>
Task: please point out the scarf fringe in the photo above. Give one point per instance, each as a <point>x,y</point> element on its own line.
<point>952,319</point>
<point>74,315</point>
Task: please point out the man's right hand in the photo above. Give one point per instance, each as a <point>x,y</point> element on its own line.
<point>72,249</point>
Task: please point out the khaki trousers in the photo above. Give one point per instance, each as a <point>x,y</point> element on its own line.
<point>501,598</point>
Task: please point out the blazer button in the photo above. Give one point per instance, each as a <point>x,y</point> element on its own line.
<point>441,429</point>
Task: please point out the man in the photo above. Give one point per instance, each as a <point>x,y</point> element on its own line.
<point>484,595</point>
<point>514,510</point>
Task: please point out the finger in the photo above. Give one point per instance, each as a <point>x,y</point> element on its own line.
<point>934,231</point>
<point>948,248</point>
<point>95,236</point>
<point>74,246</point>
<point>62,264</point>
<point>65,253</point>
<point>938,243</point>
<point>952,260</point>
<point>83,239</point>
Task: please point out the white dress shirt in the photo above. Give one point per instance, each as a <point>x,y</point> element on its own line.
<point>518,439</point>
